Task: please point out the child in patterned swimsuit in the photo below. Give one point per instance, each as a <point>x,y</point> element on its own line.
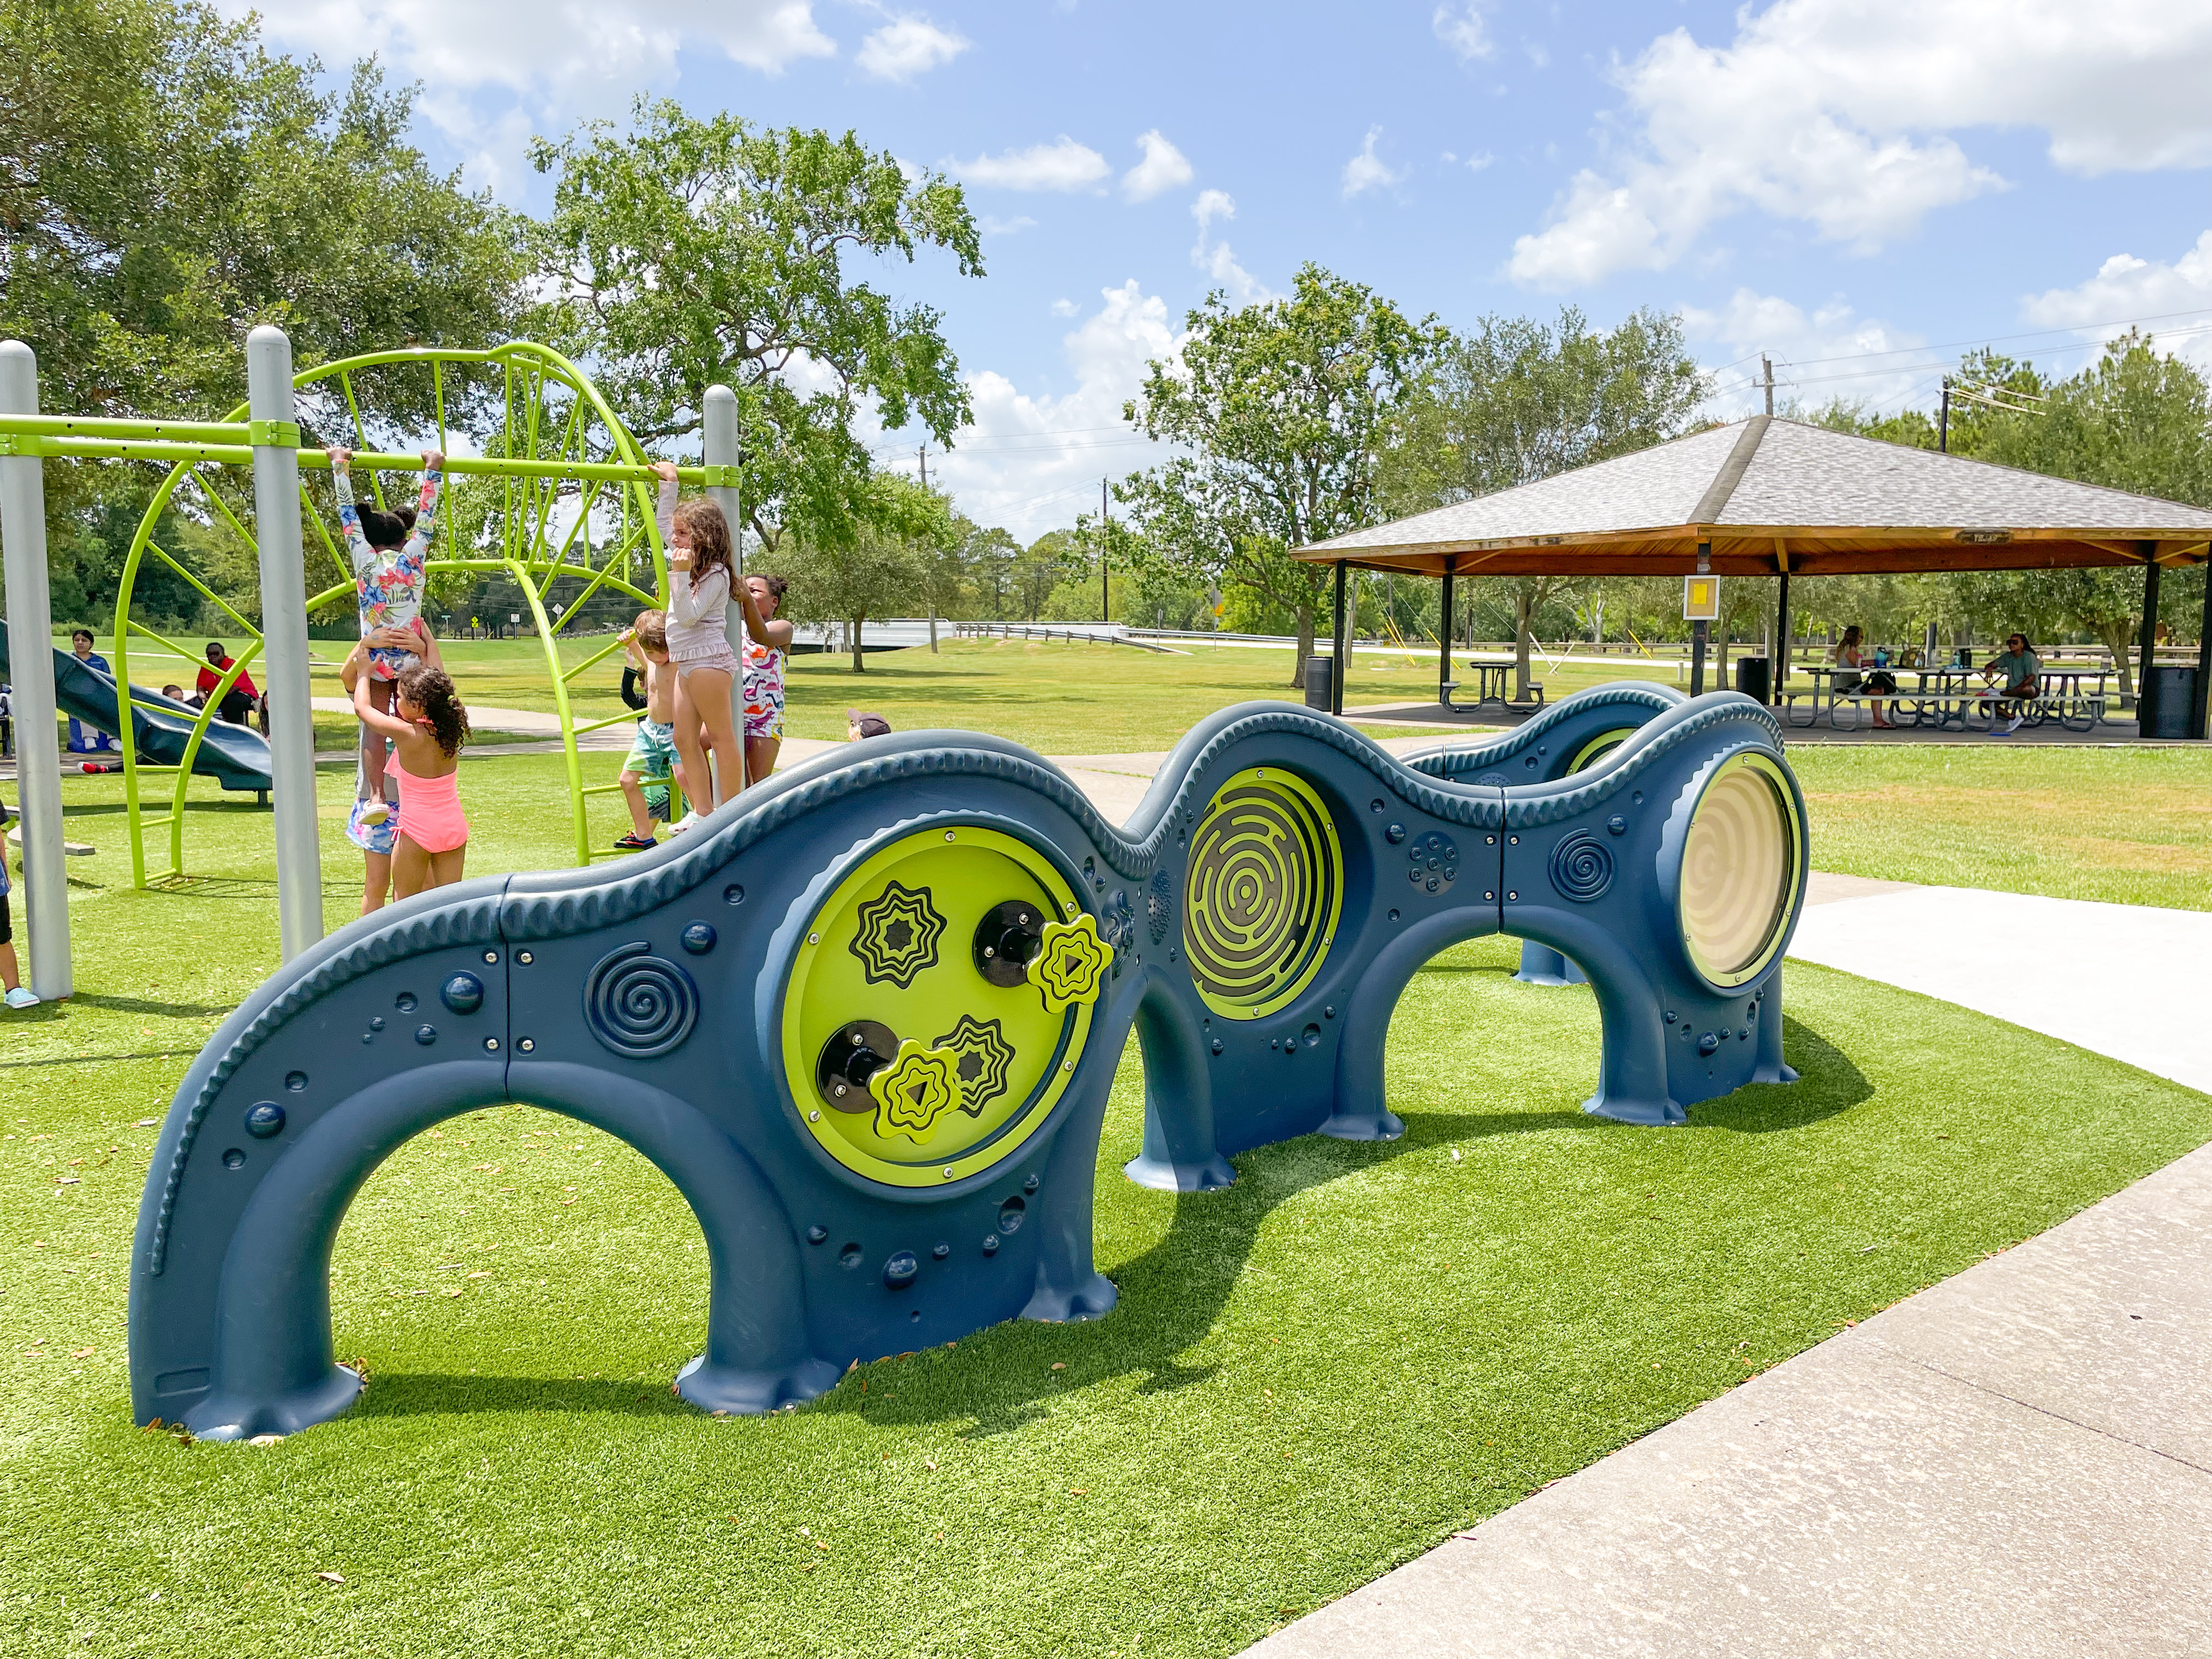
<point>767,642</point>
<point>388,551</point>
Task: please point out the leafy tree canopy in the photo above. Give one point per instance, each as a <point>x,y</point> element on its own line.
<point>1283,407</point>
<point>689,252</point>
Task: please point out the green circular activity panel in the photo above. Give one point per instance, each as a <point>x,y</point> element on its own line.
<point>959,1069</point>
<point>1740,870</point>
<point>1266,885</point>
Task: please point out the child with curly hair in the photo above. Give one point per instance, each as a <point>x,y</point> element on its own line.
<point>427,725</point>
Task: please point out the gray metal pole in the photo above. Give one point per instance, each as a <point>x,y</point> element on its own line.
<point>31,650</point>
<point>284,638</point>
<point>719,413</point>
<point>1445,629</point>
<point>1781,640</point>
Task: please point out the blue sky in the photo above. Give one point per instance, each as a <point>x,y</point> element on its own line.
<point>1853,187</point>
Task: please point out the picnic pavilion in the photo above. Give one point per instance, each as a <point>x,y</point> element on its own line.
<point>1770,497</point>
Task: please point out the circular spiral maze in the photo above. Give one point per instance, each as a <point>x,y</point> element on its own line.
<point>1265,881</point>
<point>1582,866</point>
<point>639,1006</point>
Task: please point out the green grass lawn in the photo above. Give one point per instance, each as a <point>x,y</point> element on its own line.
<point>1309,1378</point>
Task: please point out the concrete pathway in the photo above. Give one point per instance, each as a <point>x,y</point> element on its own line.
<point>2016,1462</point>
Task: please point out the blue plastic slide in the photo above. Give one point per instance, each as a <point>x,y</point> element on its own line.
<point>236,756</point>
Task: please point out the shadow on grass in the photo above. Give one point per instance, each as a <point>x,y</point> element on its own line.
<point>1171,1296</point>
<point>139,1005</point>
<point>1827,1083</point>
<point>414,1394</point>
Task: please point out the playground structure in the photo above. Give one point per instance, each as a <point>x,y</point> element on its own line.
<point>866,1018</point>
<point>564,461</point>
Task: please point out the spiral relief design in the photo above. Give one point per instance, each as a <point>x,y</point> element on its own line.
<point>1582,866</point>
<point>1738,870</point>
<point>638,1005</point>
<point>1266,880</point>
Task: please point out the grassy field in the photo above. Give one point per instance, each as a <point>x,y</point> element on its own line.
<point>1240,1441</point>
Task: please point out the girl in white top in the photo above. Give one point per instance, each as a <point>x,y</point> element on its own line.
<point>697,538</point>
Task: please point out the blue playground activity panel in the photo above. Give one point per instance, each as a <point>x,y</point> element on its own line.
<point>866,1018</point>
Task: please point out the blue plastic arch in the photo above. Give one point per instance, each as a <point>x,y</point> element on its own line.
<point>1256,922</point>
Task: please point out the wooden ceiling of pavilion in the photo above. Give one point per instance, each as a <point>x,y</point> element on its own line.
<point>1772,495</point>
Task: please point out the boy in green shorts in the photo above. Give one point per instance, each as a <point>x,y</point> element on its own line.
<point>652,752</point>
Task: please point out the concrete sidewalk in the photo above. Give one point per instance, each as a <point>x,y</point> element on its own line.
<point>2016,1461</point>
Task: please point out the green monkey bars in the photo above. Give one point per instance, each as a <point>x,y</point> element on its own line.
<point>567,461</point>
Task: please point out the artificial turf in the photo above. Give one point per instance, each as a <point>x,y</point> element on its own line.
<point>1309,1378</point>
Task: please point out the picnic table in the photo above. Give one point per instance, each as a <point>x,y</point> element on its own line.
<point>1490,679</point>
<point>1950,703</point>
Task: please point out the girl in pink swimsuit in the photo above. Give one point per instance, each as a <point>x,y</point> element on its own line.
<point>428,727</point>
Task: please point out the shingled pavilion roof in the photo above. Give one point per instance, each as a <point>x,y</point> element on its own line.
<point>1774,495</point>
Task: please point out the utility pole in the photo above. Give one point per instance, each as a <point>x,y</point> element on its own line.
<point>929,590</point>
<point>1943,419</point>
<point>1106,540</point>
<point>1766,372</point>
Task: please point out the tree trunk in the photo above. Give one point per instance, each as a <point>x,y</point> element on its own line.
<point>1305,647</point>
<point>2119,636</point>
<point>1524,607</point>
<point>932,628</point>
<point>859,665</point>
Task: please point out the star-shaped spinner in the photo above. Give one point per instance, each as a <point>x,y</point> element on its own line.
<point>985,1055</point>
<point>916,1090</point>
<point>898,935</point>
<point>1072,961</point>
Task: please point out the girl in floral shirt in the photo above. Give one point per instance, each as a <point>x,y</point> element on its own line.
<point>389,552</point>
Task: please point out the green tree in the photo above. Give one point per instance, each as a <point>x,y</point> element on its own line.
<point>1516,400</point>
<point>688,252</point>
<point>1283,407</point>
<point>881,571</point>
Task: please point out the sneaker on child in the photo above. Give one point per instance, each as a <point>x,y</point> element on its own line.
<point>20,997</point>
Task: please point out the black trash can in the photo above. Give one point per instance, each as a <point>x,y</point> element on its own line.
<point>2168,696</point>
<point>1753,679</point>
<point>1318,671</point>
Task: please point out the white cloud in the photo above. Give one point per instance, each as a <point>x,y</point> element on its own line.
<point>1476,163</point>
<point>1464,30</point>
<point>1033,461</point>
<point>993,226</point>
<point>1367,171</point>
<point>1829,352</point>
<point>2125,287</point>
<point>1065,165</point>
<point>1216,258</point>
<point>1163,168</point>
<point>495,71</point>
<point>1839,113</point>
<point>906,46</point>
<point>1063,307</point>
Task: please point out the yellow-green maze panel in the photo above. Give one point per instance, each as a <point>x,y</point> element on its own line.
<point>892,956</point>
<point>1265,890</point>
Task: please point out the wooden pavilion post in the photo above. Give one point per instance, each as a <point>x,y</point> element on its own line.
<point>1444,629</point>
<point>2197,713</point>
<point>1337,647</point>
<point>2147,642</point>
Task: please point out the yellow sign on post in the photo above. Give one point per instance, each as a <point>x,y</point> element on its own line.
<point>1701,598</point>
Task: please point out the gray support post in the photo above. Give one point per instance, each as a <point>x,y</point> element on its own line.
<point>31,649</point>
<point>719,413</point>
<point>284,638</point>
<point>1444,627</point>
<point>2147,643</point>
<point>1700,631</point>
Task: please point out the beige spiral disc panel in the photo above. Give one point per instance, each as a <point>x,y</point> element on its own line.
<point>1741,866</point>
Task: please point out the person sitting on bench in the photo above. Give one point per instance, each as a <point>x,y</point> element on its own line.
<point>2019,672</point>
<point>238,702</point>
<point>1850,654</point>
